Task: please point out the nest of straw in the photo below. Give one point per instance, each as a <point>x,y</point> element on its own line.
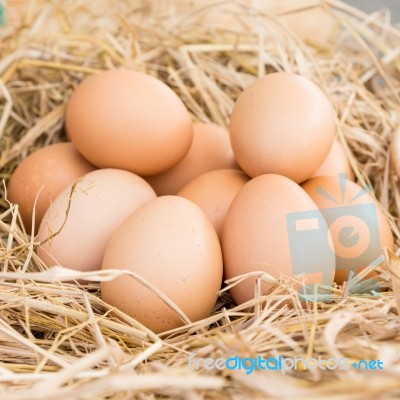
<point>58,340</point>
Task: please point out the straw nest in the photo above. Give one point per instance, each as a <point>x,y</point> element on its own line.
<point>57,339</point>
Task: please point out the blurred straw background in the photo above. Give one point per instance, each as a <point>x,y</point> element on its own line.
<point>58,339</point>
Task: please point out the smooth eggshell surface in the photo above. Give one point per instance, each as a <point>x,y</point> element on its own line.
<point>213,192</point>
<point>48,171</point>
<point>356,222</point>
<point>210,150</point>
<point>129,120</point>
<point>170,243</point>
<point>257,235</point>
<point>395,151</point>
<point>99,203</point>
<point>282,124</point>
<point>335,163</point>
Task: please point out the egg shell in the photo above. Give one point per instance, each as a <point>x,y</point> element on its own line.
<point>213,192</point>
<point>43,175</point>
<point>171,243</point>
<point>395,151</point>
<point>335,163</point>
<point>210,150</point>
<point>256,236</point>
<point>311,23</point>
<point>356,221</point>
<point>100,202</point>
<point>128,120</point>
<point>282,124</point>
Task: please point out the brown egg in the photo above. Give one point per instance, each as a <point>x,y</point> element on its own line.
<point>170,243</point>
<point>44,174</point>
<point>307,19</point>
<point>314,25</point>
<point>210,150</point>
<point>335,163</point>
<point>357,225</point>
<point>282,124</point>
<point>213,192</point>
<point>395,151</point>
<point>84,221</point>
<point>273,226</point>
<point>129,120</point>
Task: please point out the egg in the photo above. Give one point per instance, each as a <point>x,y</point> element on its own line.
<point>395,151</point>
<point>358,226</point>
<point>213,192</point>
<point>43,175</point>
<point>78,225</point>
<point>309,20</point>
<point>315,25</point>
<point>282,124</point>
<point>273,226</point>
<point>210,150</point>
<point>128,120</point>
<point>335,163</point>
<point>170,243</point>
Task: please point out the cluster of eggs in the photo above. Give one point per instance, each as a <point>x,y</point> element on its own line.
<point>181,204</point>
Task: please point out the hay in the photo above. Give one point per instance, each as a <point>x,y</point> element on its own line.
<point>57,339</point>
